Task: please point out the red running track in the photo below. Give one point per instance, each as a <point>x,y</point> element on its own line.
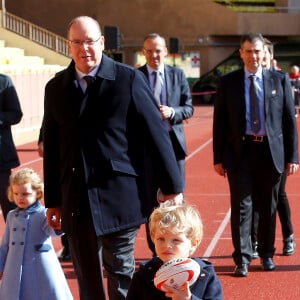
<point>210,193</point>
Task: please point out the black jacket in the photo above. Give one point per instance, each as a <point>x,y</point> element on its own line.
<point>230,120</point>
<point>10,114</point>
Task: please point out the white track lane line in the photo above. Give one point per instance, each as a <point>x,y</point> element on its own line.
<point>198,149</point>
<point>217,236</point>
<point>226,219</point>
<point>30,162</point>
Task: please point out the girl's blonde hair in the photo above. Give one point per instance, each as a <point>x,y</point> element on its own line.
<point>23,176</point>
<point>178,219</point>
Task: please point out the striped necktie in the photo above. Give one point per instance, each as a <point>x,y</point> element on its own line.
<point>157,87</point>
<point>254,106</point>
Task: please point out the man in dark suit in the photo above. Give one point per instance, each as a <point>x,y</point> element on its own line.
<point>174,101</point>
<point>253,154</point>
<point>283,207</point>
<point>97,130</point>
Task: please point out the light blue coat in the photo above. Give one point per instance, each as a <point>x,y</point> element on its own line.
<point>31,270</point>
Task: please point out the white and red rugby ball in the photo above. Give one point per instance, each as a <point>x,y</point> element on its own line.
<point>176,272</point>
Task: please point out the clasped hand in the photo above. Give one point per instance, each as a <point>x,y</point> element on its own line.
<point>165,111</point>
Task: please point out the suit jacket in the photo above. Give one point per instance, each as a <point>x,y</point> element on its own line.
<point>95,147</point>
<point>208,286</point>
<point>179,98</point>
<point>230,119</point>
<point>10,114</point>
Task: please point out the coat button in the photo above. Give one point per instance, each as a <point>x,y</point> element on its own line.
<point>13,243</point>
<point>14,229</point>
<point>22,243</point>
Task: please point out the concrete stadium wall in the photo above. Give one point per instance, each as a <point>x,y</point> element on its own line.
<point>192,21</point>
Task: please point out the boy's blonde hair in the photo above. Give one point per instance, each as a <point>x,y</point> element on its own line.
<point>23,176</point>
<point>178,219</point>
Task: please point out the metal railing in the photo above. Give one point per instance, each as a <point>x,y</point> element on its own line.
<point>35,33</point>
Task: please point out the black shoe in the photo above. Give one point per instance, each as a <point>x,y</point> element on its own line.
<point>268,264</point>
<point>241,270</point>
<point>65,255</point>
<point>289,245</point>
<point>254,249</point>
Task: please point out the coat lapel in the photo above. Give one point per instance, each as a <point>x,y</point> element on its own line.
<point>169,77</point>
<point>267,81</point>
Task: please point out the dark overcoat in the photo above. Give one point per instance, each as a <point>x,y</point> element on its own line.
<point>97,143</point>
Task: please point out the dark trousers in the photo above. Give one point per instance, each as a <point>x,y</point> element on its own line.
<point>6,205</point>
<point>113,252</point>
<point>256,180</point>
<point>283,209</point>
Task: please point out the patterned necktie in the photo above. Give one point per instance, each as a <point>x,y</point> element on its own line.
<point>254,106</point>
<point>157,87</point>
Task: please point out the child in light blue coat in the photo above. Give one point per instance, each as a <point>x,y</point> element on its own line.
<point>29,268</point>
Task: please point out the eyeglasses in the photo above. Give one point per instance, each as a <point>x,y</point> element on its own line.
<point>78,43</point>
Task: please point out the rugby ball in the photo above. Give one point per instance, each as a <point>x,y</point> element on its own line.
<point>176,272</point>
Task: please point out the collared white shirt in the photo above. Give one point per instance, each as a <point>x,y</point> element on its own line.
<point>260,90</point>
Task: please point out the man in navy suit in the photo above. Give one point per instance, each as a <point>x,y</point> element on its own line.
<point>175,103</point>
<point>253,158</point>
<point>97,130</point>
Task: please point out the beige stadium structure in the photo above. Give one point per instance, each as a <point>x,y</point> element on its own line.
<point>33,45</point>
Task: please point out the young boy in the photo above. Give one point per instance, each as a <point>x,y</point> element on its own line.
<point>176,232</point>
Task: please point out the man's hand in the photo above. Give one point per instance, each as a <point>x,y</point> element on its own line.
<point>291,168</point>
<point>220,170</point>
<point>165,111</point>
<point>40,149</point>
<point>171,199</point>
<point>53,217</point>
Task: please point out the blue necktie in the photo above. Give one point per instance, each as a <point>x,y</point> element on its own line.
<point>254,106</point>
